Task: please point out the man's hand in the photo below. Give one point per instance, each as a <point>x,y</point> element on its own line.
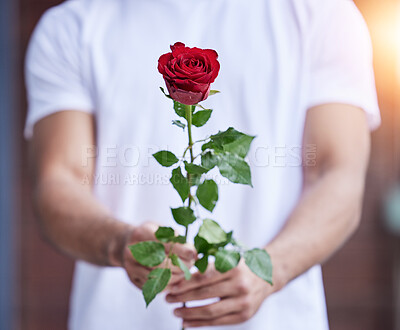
<point>240,291</point>
<point>137,272</point>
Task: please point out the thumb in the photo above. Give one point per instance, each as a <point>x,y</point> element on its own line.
<point>186,252</point>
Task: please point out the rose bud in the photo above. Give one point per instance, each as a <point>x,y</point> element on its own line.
<point>189,72</point>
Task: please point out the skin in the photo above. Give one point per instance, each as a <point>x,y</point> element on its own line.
<point>327,213</point>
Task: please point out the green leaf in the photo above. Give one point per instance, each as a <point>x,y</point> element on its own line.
<point>195,169</point>
<point>207,194</point>
<point>179,263</point>
<point>201,245</point>
<point>212,232</point>
<point>211,145</point>
<point>165,234</point>
<point>200,118</point>
<point>240,146</point>
<point>202,263</point>
<point>225,137</point>
<point>183,216</point>
<point>148,253</point>
<point>179,239</point>
<point>226,260</point>
<point>157,281</point>
<point>228,240</point>
<point>231,141</point>
<point>180,183</point>
<point>213,92</point>
<point>208,160</point>
<point>179,124</point>
<point>234,168</point>
<point>165,158</point>
<point>259,262</point>
<point>194,179</point>
<point>180,109</point>
<point>166,95</point>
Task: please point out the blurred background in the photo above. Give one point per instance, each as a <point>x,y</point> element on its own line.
<point>362,281</point>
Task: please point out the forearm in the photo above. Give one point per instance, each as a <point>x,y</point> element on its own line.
<point>73,221</point>
<point>326,215</point>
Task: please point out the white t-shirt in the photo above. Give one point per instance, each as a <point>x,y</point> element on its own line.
<point>278,58</point>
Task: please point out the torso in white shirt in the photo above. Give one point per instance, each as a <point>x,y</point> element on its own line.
<point>101,57</point>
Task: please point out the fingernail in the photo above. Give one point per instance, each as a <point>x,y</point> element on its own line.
<point>177,312</point>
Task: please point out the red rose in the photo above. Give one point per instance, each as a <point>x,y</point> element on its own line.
<point>189,72</point>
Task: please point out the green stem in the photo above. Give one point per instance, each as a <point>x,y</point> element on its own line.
<point>188,109</point>
<point>189,125</point>
<point>188,147</point>
<point>184,153</point>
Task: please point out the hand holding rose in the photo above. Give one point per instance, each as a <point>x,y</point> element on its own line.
<point>138,274</point>
<point>240,291</point>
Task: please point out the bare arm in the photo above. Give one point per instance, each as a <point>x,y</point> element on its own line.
<point>327,213</point>
<point>329,209</point>
<point>69,215</point>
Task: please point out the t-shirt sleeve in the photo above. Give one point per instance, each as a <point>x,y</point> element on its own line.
<point>341,69</point>
<point>53,68</point>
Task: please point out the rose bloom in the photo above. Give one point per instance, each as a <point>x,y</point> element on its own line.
<point>189,72</point>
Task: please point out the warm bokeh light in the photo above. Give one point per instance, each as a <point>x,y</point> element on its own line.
<point>384,28</point>
<point>384,25</point>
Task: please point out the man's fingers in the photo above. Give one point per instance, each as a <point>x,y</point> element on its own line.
<point>210,312</point>
<point>235,318</point>
<point>186,252</point>
<point>219,289</point>
<point>137,274</point>
<point>198,280</point>
<point>151,226</point>
<point>175,279</point>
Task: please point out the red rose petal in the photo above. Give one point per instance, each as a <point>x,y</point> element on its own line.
<point>177,45</point>
<point>163,61</point>
<point>186,97</point>
<point>188,72</point>
<point>169,72</point>
<point>211,53</point>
